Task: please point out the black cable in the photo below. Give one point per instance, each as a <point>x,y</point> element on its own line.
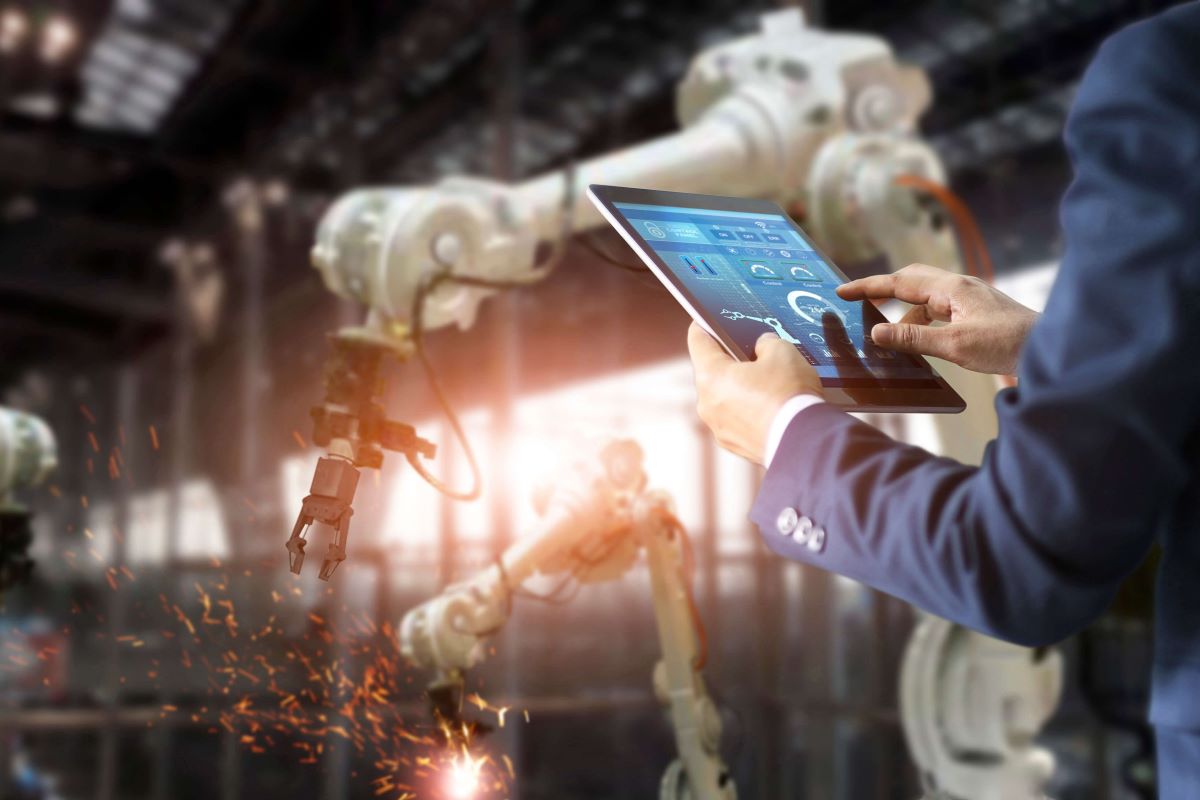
<point>538,273</point>
<point>554,596</point>
<point>425,288</point>
<point>455,426</point>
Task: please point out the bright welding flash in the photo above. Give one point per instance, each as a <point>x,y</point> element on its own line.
<point>463,780</point>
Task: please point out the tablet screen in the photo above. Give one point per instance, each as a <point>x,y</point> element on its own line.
<point>755,273</point>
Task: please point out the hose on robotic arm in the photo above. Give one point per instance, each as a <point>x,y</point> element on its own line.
<point>446,277</point>
<point>977,260</point>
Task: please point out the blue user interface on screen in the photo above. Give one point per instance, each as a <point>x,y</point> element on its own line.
<point>756,274</point>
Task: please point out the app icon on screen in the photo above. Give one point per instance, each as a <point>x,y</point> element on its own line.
<point>761,270</point>
<point>801,272</point>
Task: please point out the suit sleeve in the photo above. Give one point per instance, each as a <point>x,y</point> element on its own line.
<point>1031,545</point>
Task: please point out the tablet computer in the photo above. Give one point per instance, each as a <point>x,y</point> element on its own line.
<point>742,268</point>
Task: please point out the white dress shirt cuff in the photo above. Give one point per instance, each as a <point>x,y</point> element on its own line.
<point>783,418</point>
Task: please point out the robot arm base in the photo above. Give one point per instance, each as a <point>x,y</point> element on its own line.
<point>971,708</point>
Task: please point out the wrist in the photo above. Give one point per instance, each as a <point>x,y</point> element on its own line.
<point>783,417</point>
<point>1016,343</point>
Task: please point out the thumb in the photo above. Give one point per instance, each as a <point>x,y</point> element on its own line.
<point>706,352</point>
<point>766,344</point>
<point>921,339</point>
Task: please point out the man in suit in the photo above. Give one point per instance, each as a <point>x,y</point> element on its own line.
<point>1098,452</point>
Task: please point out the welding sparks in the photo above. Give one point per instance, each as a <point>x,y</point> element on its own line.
<point>282,688</point>
<point>355,696</point>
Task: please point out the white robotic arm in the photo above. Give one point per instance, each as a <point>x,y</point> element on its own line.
<point>799,115</point>
<point>587,514</point>
<point>594,524</point>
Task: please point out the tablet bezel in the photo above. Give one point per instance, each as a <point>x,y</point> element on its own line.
<point>942,399</point>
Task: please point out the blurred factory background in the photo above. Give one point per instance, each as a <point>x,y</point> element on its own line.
<point>163,164</point>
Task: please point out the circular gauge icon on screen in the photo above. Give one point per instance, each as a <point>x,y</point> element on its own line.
<point>761,271</point>
<point>812,307</point>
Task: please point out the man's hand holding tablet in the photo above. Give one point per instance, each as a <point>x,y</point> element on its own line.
<point>738,400</point>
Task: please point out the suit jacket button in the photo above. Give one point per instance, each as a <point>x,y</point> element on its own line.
<point>787,520</point>
<point>816,540</point>
<point>804,528</point>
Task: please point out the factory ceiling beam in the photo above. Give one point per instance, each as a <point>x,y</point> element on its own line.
<point>983,57</point>
<point>104,231</point>
<point>577,88</point>
<point>31,163</point>
<point>238,60</point>
<point>31,325</point>
<point>221,68</point>
<point>70,292</point>
<point>124,153</point>
<point>403,66</point>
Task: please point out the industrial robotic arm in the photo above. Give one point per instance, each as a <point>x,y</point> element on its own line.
<point>823,122</point>
<point>795,114</point>
<point>594,523</point>
<point>27,455</point>
<point>971,707</point>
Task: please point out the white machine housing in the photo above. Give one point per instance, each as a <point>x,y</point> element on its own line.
<point>994,698</point>
<point>28,452</point>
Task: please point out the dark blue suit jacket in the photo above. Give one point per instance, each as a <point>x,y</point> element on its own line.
<point>1098,454</point>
